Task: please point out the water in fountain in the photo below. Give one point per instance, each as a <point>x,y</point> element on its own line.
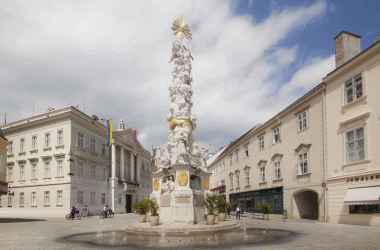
<point>162,240</point>
<point>245,230</point>
<point>100,233</point>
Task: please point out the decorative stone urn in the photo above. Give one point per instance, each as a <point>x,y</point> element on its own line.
<point>154,220</point>
<point>221,216</point>
<point>210,219</point>
<point>142,218</point>
<point>265,216</point>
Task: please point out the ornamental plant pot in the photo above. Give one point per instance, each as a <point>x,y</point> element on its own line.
<point>221,216</point>
<point>210,219</point>
<point>154,220</point>
<point>265,216</point>
<point>142,218</point>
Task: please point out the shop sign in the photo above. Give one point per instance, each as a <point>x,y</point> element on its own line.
<point>323,184</point>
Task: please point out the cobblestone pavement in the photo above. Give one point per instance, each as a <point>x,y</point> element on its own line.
<point>45,234</point>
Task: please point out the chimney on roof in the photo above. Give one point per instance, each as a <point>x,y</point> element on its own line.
<point>377,39</point>
<point>50,109</point>
<point>95,117</point>
<point>347,46</point>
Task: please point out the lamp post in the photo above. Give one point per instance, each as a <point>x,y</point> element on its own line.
<point>9,191</point>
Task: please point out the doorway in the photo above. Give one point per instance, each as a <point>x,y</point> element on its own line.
<point>128,203</point>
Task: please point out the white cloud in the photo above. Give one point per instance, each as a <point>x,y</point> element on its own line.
<point>115,55</point>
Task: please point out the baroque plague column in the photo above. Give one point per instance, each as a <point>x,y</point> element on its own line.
<point>181,179</point>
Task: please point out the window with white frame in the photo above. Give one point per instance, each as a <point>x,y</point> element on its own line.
<point>34,171</point>
<point>59,197</point>
<point>80,140</point>
<point>237,156</point>
<point>104,174</point>
<point>9,200</point>
<point>246,151</point>
<point>224,167</point>
<point>47,169</point>
<point>231,182</point>
<point>80,171</point>
<point>231,160</point>
<point>103,149</point>
<point>10,174</point>
<point>80,197</point>
<point>93,173</point>
<point>302,121</point>
<point>47,140</point>
<point>60,137</point>
<point>237,180</point>
<point>355,145</point>
<point>353,88</point>
<point>247,178</point>
<point>22,177</point>
<point>10,148</point>
<point>262,174</point>
<point>34,199</point>
<point>223,182</point>
<point>119,199</point>
<point>21,199</point>
<point>276,135</point>
<point>22,145</point>
<point>277,170</point>
<point>303,164</point>
<point>92,200</point>
<point>216,184</point>
<point>103,198</point>
<point>59,168</point>
<point>34,142</point>
<point>47,198</point>
<point>261,142</point>
<point>93,145</point>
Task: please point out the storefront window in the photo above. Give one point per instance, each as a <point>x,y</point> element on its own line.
<point>364,209</point>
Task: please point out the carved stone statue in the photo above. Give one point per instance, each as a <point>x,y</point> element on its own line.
<point>203,156</point>
<point>168,185</point>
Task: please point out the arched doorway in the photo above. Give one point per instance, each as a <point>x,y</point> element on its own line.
<point>306,202</point>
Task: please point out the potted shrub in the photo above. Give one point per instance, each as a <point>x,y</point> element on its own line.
<point>154,216</point>
<point>142,208</point>
<point>265,209</point>
<point>222,205</point>
<point>209,203</point>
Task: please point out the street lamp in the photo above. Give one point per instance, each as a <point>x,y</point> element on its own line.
<point>9,191</point>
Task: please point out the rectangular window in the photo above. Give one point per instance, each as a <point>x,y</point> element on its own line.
<point>262,174</point>
<point>231,182</point>
<point>224,167</point>
<point>80,197</point>
<point>246,151</point>
<point>47,140</point>
<point>47,169</point>
<point>59,197</point>
<point>237,156</point>
<point>354,88</point>
<point>22,145</point>
<point>80,172</point>
<point>60,137</point>
<point>10,174</point>
<point>10,148</point>
<point>22,173</point>
<point>247,178</point>
<point>80,140</point>
<point>355,145</point>
<point>34,171</point>
<point>261,142</point>
<point>276,135</point>
<point>34,142</point>
<point>303,163</point>
<point>34,199</point>
<point>103,149</point>
<point>365,209</point>
<point>231,160</point>
<point>103,198</point>
<point>277,170</point>
<point>237,181</point>
<point>21,199</point>
<point>9,200</point>
<point>223,183</point>
<point>93,173</point>
<point>119,199</point>
<point>92,198</point>
<point>93,145</point>
<point>302,121</point>
<point>59,168</point>
<point>47,198</point>
<point>104,174</point>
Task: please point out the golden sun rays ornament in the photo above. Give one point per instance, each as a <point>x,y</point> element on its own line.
<point>181,28</point>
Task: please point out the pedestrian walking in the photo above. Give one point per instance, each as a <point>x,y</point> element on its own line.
<point>237,212</point>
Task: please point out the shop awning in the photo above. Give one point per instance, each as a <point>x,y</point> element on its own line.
<point>363,196</point>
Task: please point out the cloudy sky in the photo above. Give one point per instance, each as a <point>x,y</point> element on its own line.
<point>252,59</point>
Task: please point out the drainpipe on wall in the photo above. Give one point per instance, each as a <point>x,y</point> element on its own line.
<point>323,150</point>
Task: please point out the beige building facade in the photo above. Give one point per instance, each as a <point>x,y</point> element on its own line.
<point>60,159</point>
<point>3,163</point>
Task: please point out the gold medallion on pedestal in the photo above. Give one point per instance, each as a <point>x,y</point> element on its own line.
<point>206,183</point>
<point>156,184</point>
<point>182,178</point>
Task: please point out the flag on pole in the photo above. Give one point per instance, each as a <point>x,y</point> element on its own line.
<point>154,156</point>
<point>135,133</point>
<point>109,134</point>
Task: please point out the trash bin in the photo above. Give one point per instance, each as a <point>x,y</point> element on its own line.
<point>285,214</point>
